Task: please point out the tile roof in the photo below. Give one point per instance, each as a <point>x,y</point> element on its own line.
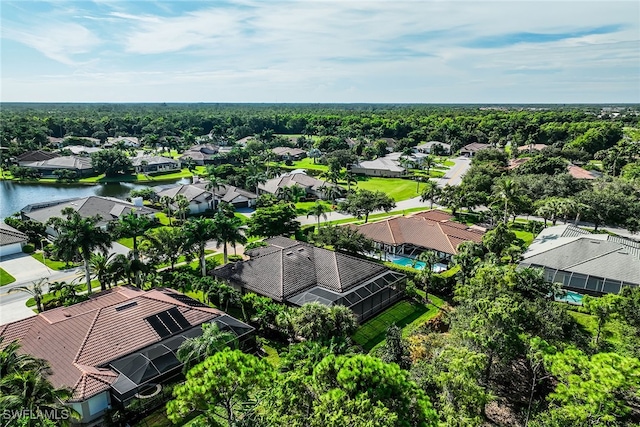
<point>63,162</point>
<point>287,267</point>
<point>299,179</point>
<point>536,147</point>
<point>35,156</point>
<point>230,194</point>
<point>9,235</point>
<point>568,248</point>
<point>381,163</point>
<point>288,151</point>
<point>474,146</point>
<point>432,229</point>
<point>78,341</point>
<point>107,208</point>
<point>190,191</point>
<point>580,173</point>
<point>153,160</point>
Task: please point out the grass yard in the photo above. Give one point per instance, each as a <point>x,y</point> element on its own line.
<point>396,188</point>
<point>375,217</point>
<point>407,315</point>
<point>524,235</point>
<point>82,287</point>
<point>303,207</point>
<point>306,163</point>
<point>611,333</point>
<point>127,241</point>
<point>53,265</point>
<point>6,278</point>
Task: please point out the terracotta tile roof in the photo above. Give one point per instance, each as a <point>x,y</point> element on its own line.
<point>431,230</point>
<point>78,340</point>
<point>580,173</point>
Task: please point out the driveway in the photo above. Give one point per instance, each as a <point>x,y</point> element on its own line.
<point>24,267</point>
<point>454,175</point>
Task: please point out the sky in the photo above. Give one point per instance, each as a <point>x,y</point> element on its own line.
<point>313,51</point>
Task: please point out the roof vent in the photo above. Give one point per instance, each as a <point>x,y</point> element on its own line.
<point>126,305</point>
<point>300,249</point>
<point>289,253</point>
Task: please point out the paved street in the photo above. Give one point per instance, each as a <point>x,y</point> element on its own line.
<point>454,175</point>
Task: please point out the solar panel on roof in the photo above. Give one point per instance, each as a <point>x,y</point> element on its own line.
<point>169,322</point>
<point>179,318</point>
<point>158,326</point>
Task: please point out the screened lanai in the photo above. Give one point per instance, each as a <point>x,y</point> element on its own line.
<point>364,300</point>
<point>158,362</point>
<point>584,282</point>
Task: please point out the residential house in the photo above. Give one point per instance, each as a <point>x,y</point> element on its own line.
<point>284,153</point>
<point>118,345</point>
<point>434,147</point>
<point>296,273</point>
<point>202,154</point>
<point>80,165</point>
<point>579,173</point>
<point>11,240</point>
<point>155,164</point>
<point>470,150</point>
<point>409,236</point>
<point>532,147</point>
<point>81,149</point>
<point>200,199</point>
<point>243,141</point>
<point>127,141</point>
<point>388,166</point>
<point>34,156</point>
<point>584,262</point>
<point>107,208</point>
<point>238,197</point>
<point>314,187</point>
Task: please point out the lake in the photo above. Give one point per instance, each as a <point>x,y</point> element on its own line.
<point>15,196</point>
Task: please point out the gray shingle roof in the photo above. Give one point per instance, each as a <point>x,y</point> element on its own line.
<point>288,267</point>
<point>64,162</point>
<point>571,249</point>
<point>9,235</point>
<point>86,207</point>
<point>299,179</point>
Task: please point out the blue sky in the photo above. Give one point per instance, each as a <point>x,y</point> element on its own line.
<point>443,51</point>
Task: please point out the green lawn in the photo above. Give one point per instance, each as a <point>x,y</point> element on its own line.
<point>82,287</point>
<point>53,265</point>
<point>397,188</point>
<point>303,207</point>
<point>306,163</point>
<point>407,315</point>
<point>142,178</point>
<point>611,332</point>
<point>127,241</point>
<point>6,278</point>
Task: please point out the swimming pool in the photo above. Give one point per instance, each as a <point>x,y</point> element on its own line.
<point>571,298</point>
<point>418,265</point>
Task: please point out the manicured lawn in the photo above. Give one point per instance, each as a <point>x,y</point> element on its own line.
<point>306,163</point>
<point>82,287</point>
<point>163,218</point>
<point>407,315</point>
<point>524,235</point>
<point>54,265</point>
<point>611,331</point>
<point>6,278</point>
<point>375,217</point>
<point>397,188</point>
<point>142,178</point>
<point>303,207</point>
<point>127,241</point>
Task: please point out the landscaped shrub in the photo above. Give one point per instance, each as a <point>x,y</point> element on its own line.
<point>28,248</point>
<point>235,258</point>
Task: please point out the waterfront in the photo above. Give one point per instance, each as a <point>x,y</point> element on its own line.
<point>15,195</point>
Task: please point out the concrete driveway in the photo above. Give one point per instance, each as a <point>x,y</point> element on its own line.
<point>24,267</point>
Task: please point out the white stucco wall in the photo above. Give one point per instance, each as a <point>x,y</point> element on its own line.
<point>14,248</point>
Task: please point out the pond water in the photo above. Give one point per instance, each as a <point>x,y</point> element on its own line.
<point>15,196</point>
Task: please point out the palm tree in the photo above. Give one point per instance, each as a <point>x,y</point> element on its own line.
<point>212,340</point>
<point>165,244</point>
<point>331,192</point>
<point>198,232</point>
<point>349,178</point>
<point>214,184</point>
<point>83,235</point>
<point>36,291</point>
<point>428,162</point>
<point>182,203</point>
<point>255,179</point>
<point>100,266</point>
<point>506,190</point>
<point>315,154</point>
<point>227,230</point>
<point>166,202</point>
<point>430,192</point>
<point>12,361</point>
<point>134,226</point>
<point>318,210</point>
<point>430,259</point>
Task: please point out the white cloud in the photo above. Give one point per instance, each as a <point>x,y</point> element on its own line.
<point>59,41</point>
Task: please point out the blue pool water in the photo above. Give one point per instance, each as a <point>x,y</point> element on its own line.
<point>571,298</point>
<point>419,265</point>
